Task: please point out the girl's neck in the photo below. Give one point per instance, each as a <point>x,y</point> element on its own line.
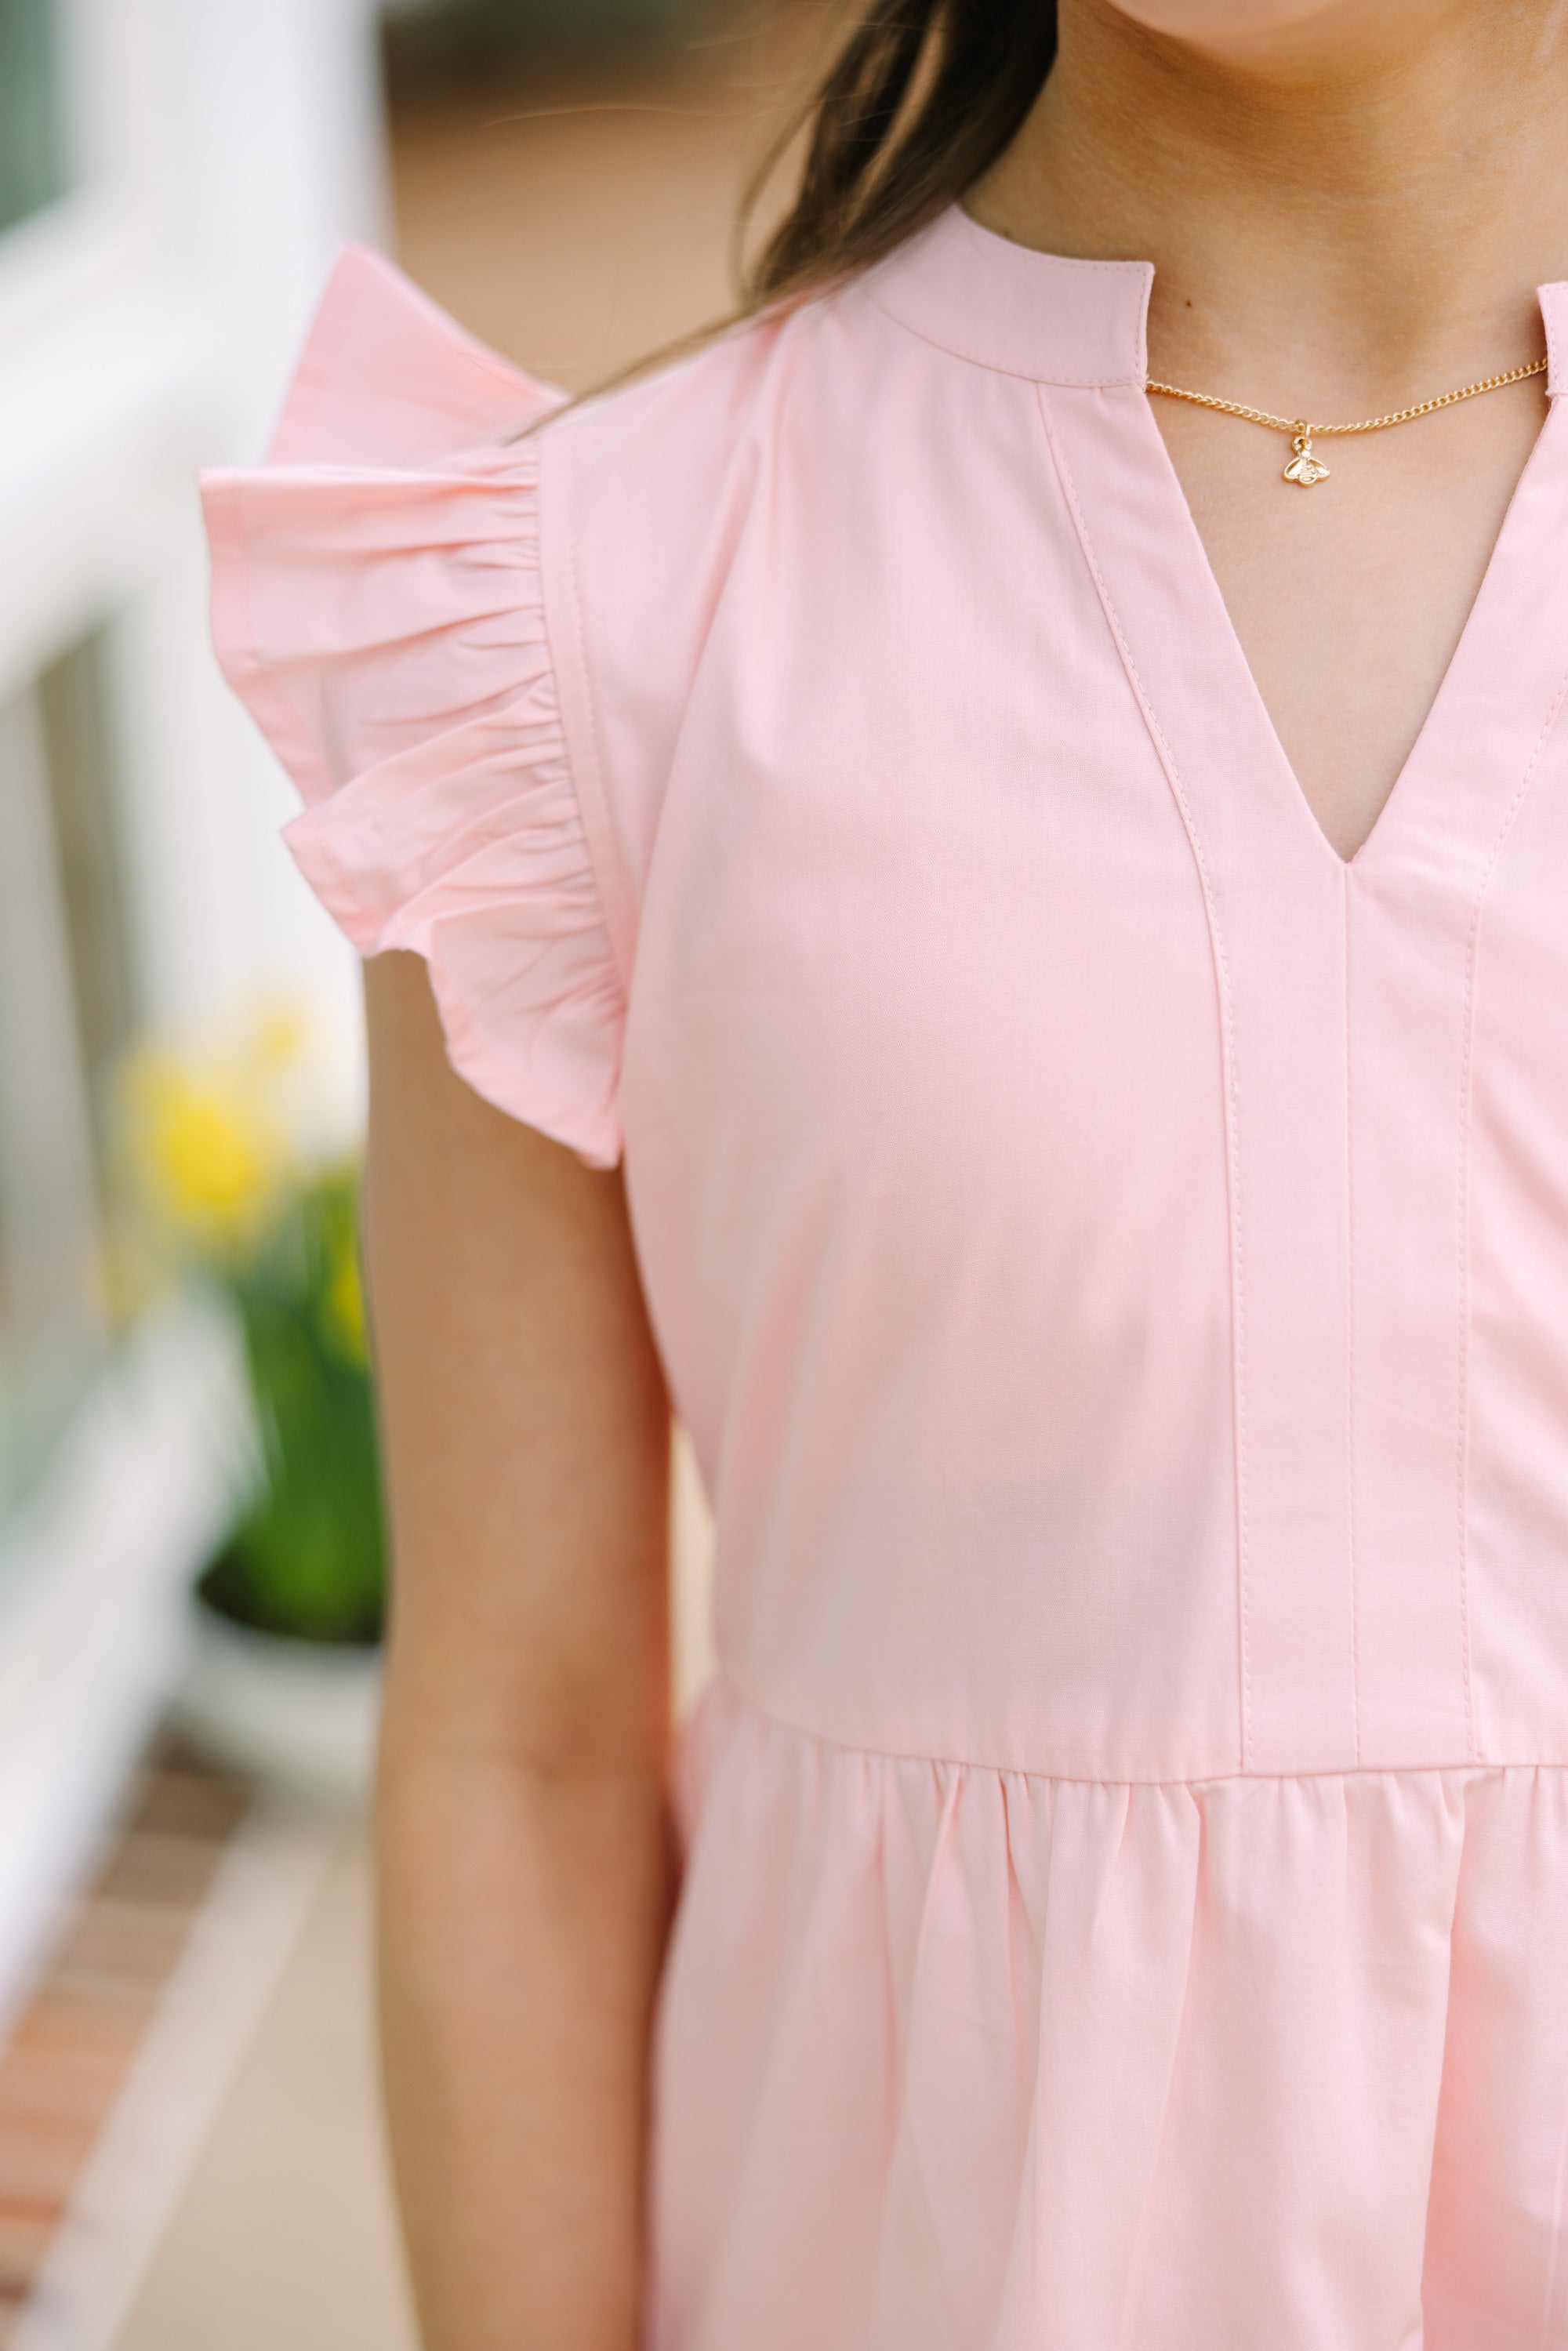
<point>1343,217</point>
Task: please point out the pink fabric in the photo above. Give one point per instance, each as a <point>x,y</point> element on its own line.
<point>385,626</point>
<point>1112,1257</point>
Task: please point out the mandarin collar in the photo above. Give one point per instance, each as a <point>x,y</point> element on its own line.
<point>1052,318</point>
<point>1009,306</point>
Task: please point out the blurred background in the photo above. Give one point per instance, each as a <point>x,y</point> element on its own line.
<point>192,1561</point>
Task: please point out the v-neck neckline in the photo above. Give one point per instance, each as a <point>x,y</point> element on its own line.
<point>1078,329</point>
<point>1481,654</point>
<point>1475,751</point>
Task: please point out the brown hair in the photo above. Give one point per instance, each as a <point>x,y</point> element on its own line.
<point>919,101</point>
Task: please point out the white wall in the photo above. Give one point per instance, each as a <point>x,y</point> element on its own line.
<point>148,324</point>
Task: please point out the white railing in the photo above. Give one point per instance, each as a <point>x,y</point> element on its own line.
<point>223,150</point>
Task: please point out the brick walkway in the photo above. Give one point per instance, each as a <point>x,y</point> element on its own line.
<point>70,2052</point>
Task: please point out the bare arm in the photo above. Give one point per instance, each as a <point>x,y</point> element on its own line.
<point>525,1861</point>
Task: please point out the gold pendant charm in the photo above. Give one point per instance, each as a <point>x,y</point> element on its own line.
<point>1304,468</point>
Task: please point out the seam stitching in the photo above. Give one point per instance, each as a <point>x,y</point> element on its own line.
<point>727,1679</point>
<point>1553,352</point>
<point>1136,380</point>
<point>1233,1083</point>
<point>1462,1431</point>
<point>1351,1528</point>
<point>618,898</point>
<point>1466,1082</point>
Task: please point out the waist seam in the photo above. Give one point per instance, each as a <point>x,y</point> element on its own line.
<point>727,1681</point>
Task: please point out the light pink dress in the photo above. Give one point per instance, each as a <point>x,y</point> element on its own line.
<point>1112,1256</point>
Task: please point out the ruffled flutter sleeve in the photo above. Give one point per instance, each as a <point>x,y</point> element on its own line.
<point>378,606</point>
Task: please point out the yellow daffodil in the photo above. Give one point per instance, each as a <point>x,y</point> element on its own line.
<point>207,1155</point>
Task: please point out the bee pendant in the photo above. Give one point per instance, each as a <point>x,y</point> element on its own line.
<point>1303,467</point>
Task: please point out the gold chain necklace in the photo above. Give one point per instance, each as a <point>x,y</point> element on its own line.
<point>1305,468</point>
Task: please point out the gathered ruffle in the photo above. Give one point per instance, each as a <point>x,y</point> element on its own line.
<point>960,2060</point>
<point>384,623</point>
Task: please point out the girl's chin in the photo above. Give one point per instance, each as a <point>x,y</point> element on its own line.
<point>1221,22</point>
